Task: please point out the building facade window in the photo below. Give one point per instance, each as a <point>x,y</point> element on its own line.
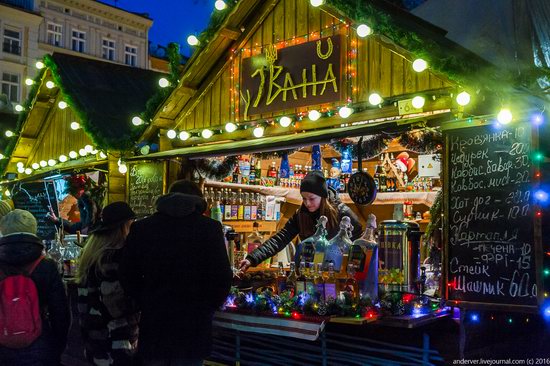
<point>78,41</point>
<point>12,42</point>
<point>55,34</point>
<point>108,48</point>
<point>130,55</point>
<point>10,86</point>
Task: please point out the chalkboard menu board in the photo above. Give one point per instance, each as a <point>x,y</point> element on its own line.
<point>145,185</point>
<point>37,198</point>
<point>491,246</point>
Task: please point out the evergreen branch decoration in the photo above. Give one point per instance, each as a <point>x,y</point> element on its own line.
<point>435,215</point>
<point>216,20</point>
<point>274,154</point>
<point>216,169</point>
<point>372,146</point>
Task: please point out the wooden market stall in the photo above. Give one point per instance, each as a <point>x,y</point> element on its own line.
<point>77,120</point>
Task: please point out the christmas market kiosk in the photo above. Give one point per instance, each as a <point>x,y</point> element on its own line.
<point>434,154</point>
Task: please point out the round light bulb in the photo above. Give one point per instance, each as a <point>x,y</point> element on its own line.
<point>89,148</point>
<point>145,149</point>
<point>52,162</point>
<point>375,99</point>
<point>50,84</point>
<point>285,121</point>
<point>7,193</point>
<point>163,82</point>
<point>102,155</point>
<point>35,166</point>
<point>192,40</point>
<point>119,162</point>
<point>314,115</point>
<point>184,135</point>
<point>122,168</point>
<point>316,3</point>
<point>21,169</point>
<point>230,127</point>
<point>504,116</point>
<point>258,131</point>
<point>220,5</point>
<point>419,65</point>
<point>18,108</point>
<point>345,112</point>
<point>418,102</point>
<point>62,105</point>
<point>43,163</point>
<point>29,81</point>
<point>39,65</point>
<point>463,98</point>
<point>75,125</point>
<point>363,30</point>
<point>20,164</point>
<point>206,133</point>
<point>63,158</point>
<point>82,152</point>
<point>1,156</point>
<point>136,121</point>
<point>9,133</point>
<point>28,171</point>
<point>73,155</point>
<point>171,134</point>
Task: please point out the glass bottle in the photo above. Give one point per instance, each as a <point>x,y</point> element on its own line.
<point>330,283</point>
<point>252,175</point>
<point>364,257</point>
<point>281,279</point>
<point>237,174</point>
<point>227,209</point>
<point>301,279</point>
<point>240,205</point>
<point>319,282</point>
<point>255,239</point>
<point>291,280</point>
<point>338,247</point>
<point>310,279</point>
<point>258,172</point>
<point>351,286</point>
<point>234,206</point>
<point>216,211</point>
<point>253,207</point>
<point>313,248</point>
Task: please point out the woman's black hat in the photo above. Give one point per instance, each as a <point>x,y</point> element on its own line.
<point>114,215</point>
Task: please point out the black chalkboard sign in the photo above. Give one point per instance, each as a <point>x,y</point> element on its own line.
<point>37,198</point>
<point>145,185</point>
<point>491,255</point>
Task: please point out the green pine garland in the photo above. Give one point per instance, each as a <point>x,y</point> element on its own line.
<point>215,169</point>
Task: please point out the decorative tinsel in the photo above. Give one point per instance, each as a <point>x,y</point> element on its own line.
<point>398,303</point>
<point>418,141</point>
<point>216,169</point>
<point>422,142</point>
<point>274,154</point>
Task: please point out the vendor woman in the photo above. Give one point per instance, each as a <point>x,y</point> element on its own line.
<point>317,201</point>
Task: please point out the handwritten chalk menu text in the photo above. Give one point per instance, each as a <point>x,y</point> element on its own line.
<point>491,257</point>
<point>37,198</point>
<point>145,185</point>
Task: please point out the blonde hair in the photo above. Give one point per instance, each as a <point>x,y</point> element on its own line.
<point>18,221</point>
<point>99,250</point>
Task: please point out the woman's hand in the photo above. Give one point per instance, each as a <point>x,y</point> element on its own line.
<point>244,265</point>
<point>51,215</point>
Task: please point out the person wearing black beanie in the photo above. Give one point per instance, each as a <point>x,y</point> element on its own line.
<point>317,200</point>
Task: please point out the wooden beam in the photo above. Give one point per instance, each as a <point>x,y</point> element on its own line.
<point>231,34</point>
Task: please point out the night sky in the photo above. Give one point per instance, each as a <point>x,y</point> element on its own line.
<point>173,20</point>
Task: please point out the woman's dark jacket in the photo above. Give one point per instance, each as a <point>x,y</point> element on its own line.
<point>175,264</point>
<point>108,319</point>
<point>291,229</point>
<point>18,251</point>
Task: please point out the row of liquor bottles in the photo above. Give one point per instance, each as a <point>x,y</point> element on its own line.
<point>226,205</point>
<point>312,280</point>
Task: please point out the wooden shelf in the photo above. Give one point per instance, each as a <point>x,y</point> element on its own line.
<point>292,195</point>
<point>242,226</point>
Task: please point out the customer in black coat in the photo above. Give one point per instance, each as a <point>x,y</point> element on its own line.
<point>19,249</point>
<point>175,265</point>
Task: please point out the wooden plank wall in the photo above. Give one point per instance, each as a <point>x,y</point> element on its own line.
<point>59,138</point>
<point>375,67</point>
